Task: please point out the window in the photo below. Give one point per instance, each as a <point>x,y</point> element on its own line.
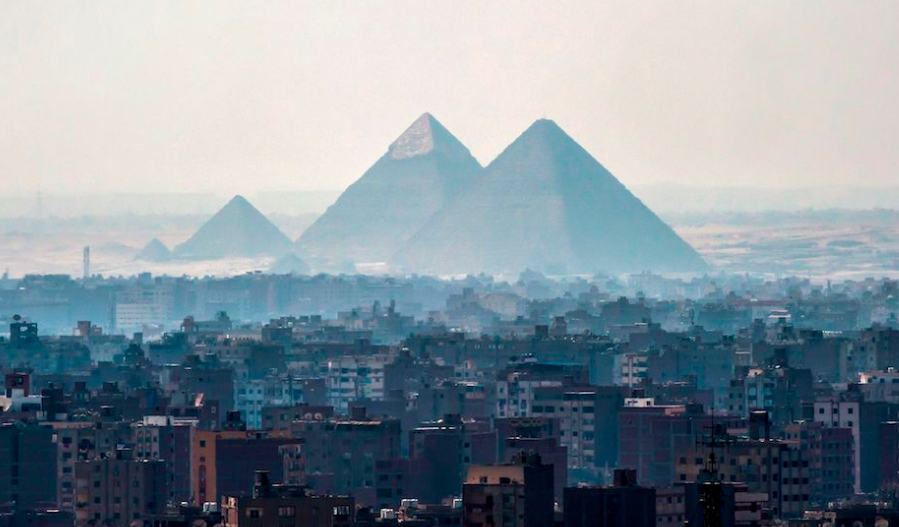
<point>287,512</point>
<point>254,513</point>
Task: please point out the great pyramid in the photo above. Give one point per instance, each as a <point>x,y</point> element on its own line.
<point>154,251</point>
<point>545,203</point>
<point>237,230</point>
<point>422,171</point>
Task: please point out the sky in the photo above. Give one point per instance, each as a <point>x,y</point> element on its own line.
<point>219,96</point>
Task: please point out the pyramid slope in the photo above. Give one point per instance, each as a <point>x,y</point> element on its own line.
<point>237,230</point>
<point>545,203</point>
<point>154,251</point>
<point>423,170</point>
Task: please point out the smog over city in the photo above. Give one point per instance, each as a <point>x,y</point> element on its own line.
<point>386,263</point>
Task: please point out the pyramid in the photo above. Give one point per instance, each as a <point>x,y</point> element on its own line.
<point>290,263</point>
<point>545,203</point>
<point>154,251</point>
<point>237,230</point>
<point>423,170</point>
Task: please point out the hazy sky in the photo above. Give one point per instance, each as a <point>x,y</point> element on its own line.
<point>196,96</point>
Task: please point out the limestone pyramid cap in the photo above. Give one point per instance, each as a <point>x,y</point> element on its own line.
<point>421,138</point>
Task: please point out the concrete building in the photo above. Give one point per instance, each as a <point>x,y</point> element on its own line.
<point>342,453</point>
<point>850,410</point>
<point>82,441</point>
<point>118,490</point>
<point>769,466</point>
<point>516,385</point>
<point>355,377</point>
<point>163,438</point>
<point>583,412</point>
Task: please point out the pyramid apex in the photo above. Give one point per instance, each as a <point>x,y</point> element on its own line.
<point>417,140</point>
<point>545,125</point>
<point>423,136</point>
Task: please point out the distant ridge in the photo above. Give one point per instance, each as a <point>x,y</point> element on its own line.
<point>237,230</point>
<point>154,251</point>
<point>423,169</point>
<point>545,203</point>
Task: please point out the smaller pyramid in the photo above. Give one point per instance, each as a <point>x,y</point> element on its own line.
<point>290,263</point>
<point>155,251</point>
<point>238,230</point>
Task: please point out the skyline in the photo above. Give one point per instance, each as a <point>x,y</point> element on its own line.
<point>163,97</point>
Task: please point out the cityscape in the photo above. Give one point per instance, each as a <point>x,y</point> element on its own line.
<point>250,279</point>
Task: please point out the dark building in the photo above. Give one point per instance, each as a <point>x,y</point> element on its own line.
<point>518,494</point>
<point>889,454</point>
<point>443,451</point>
<point>622,504</point>
<point>878,348</point>
<point>652,438</point>
<point>185,516</point>
<point>550,452</point>
<point>710,503</point>
<point>212,382</point>
<point>27,466</point>
<point>285,506</point>
<point>10,517</point>
<point>224,462</point>
<point>170,443</point>
<point>282,417</point>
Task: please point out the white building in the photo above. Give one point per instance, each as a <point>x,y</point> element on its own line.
<point>629,369</point>
<point>149,305</point>
<point>355,377</point>
<point>515,394</point>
